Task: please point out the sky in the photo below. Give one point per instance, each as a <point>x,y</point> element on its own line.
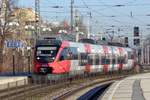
<point>104,13</point>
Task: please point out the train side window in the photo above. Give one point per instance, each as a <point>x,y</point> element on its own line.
<point>121,60</point>
<point>83,56</point>
<point>83,61</point>
<point>107,59</point>
<point>65,54</point>
<point>132,56</point>
<point>96,59</point>
<point>129,55</point>
<point>125,59</point>
<point>90,59</point>
<point>103,59</point>
<point>74,52</point>
<point>113,59</point>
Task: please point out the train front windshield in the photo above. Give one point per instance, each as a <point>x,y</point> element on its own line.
<point>46,54</point>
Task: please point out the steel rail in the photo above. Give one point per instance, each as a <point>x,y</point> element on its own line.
<point>83,86</point>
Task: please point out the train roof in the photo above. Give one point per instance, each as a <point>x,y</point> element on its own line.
<point>86,40</point>
<point>45,42</point>
<point>56,41</point>
<point>79,43</point>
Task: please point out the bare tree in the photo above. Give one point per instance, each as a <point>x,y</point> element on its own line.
<point>5,19</point>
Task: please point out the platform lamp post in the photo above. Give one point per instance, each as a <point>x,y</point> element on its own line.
<point>13,25</point>
<point>13,61</point>
<point>30,29</point>
<point>29,60</point>
<point>46,30</point>
<point>77,34</point>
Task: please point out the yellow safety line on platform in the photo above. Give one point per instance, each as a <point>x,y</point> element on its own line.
<point>114,90</point>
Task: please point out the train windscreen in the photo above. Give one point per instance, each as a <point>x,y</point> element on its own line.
<point>46,54</point>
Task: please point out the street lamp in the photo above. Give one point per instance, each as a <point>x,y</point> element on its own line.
<point>45,29</point>
<point>62,31</point>
<point>29,60</point>
<point>30,29</point>
<point>13,25</point>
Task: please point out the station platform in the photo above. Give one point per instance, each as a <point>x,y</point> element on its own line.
<point>136,87</point>
<point>7,82</point>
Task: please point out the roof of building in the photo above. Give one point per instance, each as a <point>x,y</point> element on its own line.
<point>27,14</point>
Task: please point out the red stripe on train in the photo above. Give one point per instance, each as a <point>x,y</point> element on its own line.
<point>64,65</point>
<point>87,48</point>
<point>105,68</point>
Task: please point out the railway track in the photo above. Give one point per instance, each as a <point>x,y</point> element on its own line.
<point>97,89</point>
<point>23,92</point>
<point>11,94</point>
<point>74,90</point>
<point>54,90</point>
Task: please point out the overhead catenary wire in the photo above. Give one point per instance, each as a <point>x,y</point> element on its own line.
<point>130,16</point>
<point>101,14</point>
<point>62,13</point>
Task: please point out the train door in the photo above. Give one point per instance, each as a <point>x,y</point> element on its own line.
<point>64,60</point>
<point>113,59</point>
<point>105,59</point>
<point>88,49</point>
<point>74,68</point>
<point>120,59</point>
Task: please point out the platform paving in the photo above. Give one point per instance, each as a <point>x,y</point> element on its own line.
<point>136,87</point>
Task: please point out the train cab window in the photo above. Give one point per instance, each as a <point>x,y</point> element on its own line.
<point>65,54</point>
<point>45,54</point>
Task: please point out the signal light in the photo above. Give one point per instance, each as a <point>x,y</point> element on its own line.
<point>136,31</point>
<point>103,38</point>
<point>126,40</point>
<point>136,42</point>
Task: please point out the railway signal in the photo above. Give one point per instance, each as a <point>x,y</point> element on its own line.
<point>126,41</point>
<point>136,31</point>
<point>136,34</point>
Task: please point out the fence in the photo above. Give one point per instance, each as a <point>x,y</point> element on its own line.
<point>10,83</point>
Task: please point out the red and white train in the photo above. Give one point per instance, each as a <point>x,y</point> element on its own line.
<point>58,57</point>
